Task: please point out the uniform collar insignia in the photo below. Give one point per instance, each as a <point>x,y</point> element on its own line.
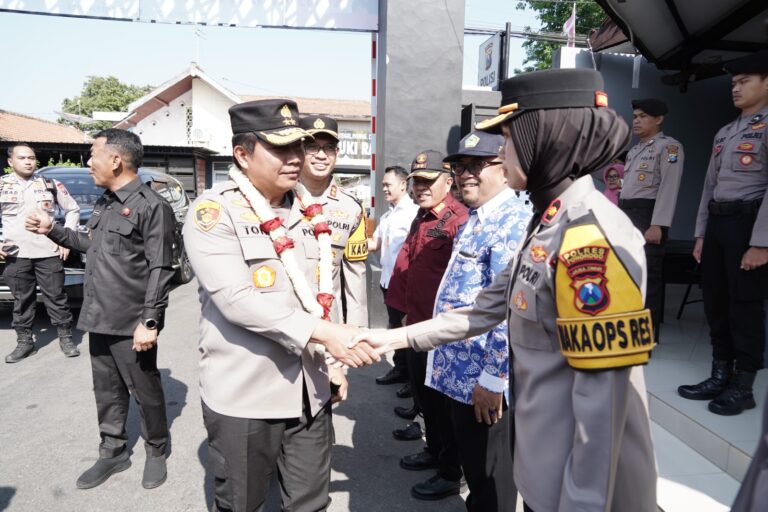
<point>756,118</point>
<point>437,209</point>
<point>551,211</point>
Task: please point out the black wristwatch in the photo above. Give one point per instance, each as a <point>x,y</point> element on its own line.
<point>149,323</point>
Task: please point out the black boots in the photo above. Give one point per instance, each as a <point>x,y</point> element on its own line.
<point>730,392</point>
<point>103,469</point>
<point>65,341</point>
<point>713,386</point>
<point>737,397</point>
<point>25,346</point>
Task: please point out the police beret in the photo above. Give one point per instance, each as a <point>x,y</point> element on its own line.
<point>478,144</point>
<point>547,89</point>
<point>650,106</point>
<point>320,124</point>
<point>429,164</point>
<point>751,64</point>
<point>275,121</point>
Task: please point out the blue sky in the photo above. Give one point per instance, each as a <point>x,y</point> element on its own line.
<point>47,58</point>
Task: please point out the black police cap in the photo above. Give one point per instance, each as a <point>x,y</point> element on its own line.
<point>650,106</point>
<point>478,144</point>
<point>276,121</point>
<point>547,89</point>
<point>756,63</point>
<point>429,164</point>
<point>320,124</point>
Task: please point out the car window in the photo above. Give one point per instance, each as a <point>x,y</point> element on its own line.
<point>82,188</point>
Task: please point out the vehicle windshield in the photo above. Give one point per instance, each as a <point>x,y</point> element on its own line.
<point>82,188</point>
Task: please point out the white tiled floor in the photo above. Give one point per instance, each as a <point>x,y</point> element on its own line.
<point>687,481</point>
<point>700,479</point>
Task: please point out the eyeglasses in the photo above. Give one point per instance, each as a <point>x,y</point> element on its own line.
<point>313,149</point>
<point>612,177</point>
<point>474,167</point>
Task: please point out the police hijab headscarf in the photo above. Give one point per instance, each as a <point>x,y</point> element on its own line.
<point>561,128</point>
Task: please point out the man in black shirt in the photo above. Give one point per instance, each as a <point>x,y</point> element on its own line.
<point>128,271</point>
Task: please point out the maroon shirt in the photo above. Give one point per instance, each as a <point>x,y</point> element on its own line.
<point>423,258</point>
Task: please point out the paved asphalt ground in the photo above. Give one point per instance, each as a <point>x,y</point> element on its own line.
<point>49,435</point>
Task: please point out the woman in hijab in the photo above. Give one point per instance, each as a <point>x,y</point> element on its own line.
<point>612,177</point>
<point>573,301</point>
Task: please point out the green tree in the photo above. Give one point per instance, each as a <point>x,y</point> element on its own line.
<point>538,54</point>
<point>107,94</point>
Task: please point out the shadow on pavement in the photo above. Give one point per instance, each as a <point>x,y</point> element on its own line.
<point>175,401</point>
<point>6,495</point>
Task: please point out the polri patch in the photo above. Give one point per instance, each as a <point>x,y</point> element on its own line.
<point>207,214</point>
<point>519,301</point>
<point>746,159</point>
<point>586,266</point>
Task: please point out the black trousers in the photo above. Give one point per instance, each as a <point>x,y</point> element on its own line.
<point>395,320</point>
<point>640,212</point>
<point>118,372</point>
<point>22,274</point>
<point>733,298</point>
<point>437,417</point>
<point>485,453</point>
<point>243,454</point>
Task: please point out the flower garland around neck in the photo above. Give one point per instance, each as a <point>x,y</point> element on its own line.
<point>321,304</point>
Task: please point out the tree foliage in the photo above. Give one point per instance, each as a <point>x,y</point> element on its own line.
<point>106,94</point>
<point>538,54</point>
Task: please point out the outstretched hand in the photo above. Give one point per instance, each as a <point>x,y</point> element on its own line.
<point>337,340</point>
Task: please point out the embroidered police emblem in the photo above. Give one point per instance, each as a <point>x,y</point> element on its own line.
<point>643,166</point>
<point>264,277</point>
<point>286,113</point>
<point>586,268</point>
<point>641,177</point>
<point>319,124</point>
<point>538,253</point>
<point>672,151</point>
<point>746,159</point>
<point>471,141</point>
<point>718,149</point>
<point>745,146</point>
<point>207,214</point>
<point>519,301</point>
<point>421,158</point>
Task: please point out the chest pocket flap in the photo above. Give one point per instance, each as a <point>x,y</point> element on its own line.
<point>747,157</point>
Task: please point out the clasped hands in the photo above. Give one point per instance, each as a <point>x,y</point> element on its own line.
<point>353,347</point>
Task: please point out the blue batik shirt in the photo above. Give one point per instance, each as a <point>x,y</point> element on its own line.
<point>483,248</point>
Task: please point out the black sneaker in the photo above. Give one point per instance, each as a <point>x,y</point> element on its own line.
<point>436,488</point>
<point>68,347</point>
<point>103,469</point>
<point>21,351</point>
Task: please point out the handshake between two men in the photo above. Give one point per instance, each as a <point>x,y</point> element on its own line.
<point>353,347</point>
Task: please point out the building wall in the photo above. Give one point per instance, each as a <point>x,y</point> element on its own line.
<point>210,118</point>
<point>694,117</point>
<point>166,126</point>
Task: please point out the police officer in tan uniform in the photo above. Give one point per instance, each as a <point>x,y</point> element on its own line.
<point>264,382</point>
<point>345,217</point>
<point>732,244</point>
<point>573,300</point>
<point>652,173</point>
<point>32,260</point>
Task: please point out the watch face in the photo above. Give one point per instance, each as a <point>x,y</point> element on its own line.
<point>150,323</point>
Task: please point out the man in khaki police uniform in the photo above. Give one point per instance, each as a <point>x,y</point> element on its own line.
<point>263,383</point>
<point>345,217</point>
<point>652,174</point>
<point>36,261</point>
<point>573,300</point>
<point>732,244</point>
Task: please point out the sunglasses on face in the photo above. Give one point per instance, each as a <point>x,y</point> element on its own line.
<point>312,148</point>
<point>474,167</point>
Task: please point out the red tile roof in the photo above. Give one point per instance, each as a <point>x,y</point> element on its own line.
<point>330,107</point>
<point>21,128</point>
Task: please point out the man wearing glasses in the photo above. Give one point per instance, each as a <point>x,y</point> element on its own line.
<point>473,374</point>
<point>652,176</point>
<point>347,221</point>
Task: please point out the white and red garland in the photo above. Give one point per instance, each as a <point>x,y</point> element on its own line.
<point>319,305</point>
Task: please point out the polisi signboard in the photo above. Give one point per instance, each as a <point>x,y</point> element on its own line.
<point>488,62</point>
